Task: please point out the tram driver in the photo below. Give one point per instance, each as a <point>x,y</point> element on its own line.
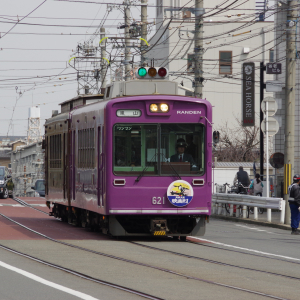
<point>181,156</point>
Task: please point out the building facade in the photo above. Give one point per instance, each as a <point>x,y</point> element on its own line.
<point>231,37</point>
<point>27,165</point>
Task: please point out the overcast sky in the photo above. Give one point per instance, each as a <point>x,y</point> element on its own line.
<point>31,53</point>
<point>34,56</point>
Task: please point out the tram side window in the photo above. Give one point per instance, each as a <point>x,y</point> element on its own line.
<point>55,151</point>
<point>86,148</point>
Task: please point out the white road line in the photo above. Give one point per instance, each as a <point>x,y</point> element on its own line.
<point>256,229</point>
<point>46,282</point>
<point>246,249</point>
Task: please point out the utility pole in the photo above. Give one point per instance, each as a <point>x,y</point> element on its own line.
<point>261,88</point>
<point>290,91</point>
<point>127,41</point>
<point>144,31</point>
<point>198,50</point>
<point>103,56</point>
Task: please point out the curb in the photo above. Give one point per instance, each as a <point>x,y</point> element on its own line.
<point>254,222</point>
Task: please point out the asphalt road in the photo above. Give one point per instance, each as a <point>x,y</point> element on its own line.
<point>243,246</point>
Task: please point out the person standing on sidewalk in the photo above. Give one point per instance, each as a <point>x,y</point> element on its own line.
<point>294,201</point>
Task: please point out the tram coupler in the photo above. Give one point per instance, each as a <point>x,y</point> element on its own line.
<point>159,227</point>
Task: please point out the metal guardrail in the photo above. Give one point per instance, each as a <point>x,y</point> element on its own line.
<point>246,200</point>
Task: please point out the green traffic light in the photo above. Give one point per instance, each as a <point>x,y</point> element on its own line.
<point>142,72</point>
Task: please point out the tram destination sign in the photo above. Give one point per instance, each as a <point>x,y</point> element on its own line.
<point>248,94</point>
<point>273,68</point>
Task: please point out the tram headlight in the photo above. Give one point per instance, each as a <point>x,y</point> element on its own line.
<point>164,107</point>
<point>153,108</point>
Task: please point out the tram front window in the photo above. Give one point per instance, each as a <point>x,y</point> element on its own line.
<point>159,149</point>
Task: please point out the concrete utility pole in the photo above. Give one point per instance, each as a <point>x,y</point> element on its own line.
<point>127,41</point>
<point>198,48</point>
<point>290,100</point>
<point>144,31</point>
<point>103,56</point>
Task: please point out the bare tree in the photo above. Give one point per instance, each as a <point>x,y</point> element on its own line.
<point>238,144</point>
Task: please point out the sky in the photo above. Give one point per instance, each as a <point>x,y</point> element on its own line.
<point>38,38</point>
<point>34,57</point>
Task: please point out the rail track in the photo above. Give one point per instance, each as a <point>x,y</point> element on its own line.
<point>164,269</point>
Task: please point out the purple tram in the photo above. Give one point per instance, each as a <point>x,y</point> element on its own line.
<point>112,161</point>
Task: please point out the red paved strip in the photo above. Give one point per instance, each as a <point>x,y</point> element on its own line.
<point>190,238</point>
<point>42,223</point>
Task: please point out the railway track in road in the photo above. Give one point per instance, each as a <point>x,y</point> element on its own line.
<point>164,269</point>
<point>81,275</point>
<point>28,205</point>
<point>219,262</point>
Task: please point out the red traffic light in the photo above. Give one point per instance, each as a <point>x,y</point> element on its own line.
<point>162,72</point>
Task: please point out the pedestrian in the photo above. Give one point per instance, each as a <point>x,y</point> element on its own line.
<point>257,185</point>
<point>294,202</point>
<point>243,178</point>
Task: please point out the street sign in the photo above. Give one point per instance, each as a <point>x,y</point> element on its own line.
<point>272,106</point>
<point>273,86</point>
<point>273,68</point>
<point>248,94</point>
<point>273,126</point>
<point>277,160</point>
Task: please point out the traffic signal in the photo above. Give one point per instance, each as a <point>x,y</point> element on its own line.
<point>216,137</point>
<point>151,73</point>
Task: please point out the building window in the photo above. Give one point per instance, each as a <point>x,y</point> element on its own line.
<point>159,7</point>
<point>225,62</point>
<point>271,55</point>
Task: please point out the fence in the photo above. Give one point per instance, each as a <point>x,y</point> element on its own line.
<point>220,199</point>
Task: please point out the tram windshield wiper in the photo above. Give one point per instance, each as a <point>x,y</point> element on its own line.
<point>148,164</point>
<point>175,172</point>
<point>145,169</point>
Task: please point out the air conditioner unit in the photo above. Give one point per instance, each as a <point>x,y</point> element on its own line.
<point>246,50</point>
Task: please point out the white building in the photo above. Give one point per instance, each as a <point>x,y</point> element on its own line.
<point>231,37</point>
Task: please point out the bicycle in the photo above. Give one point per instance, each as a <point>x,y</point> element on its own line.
<point>238,189</point>
<point>259,209</point>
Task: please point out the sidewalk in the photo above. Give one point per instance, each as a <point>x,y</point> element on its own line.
<point>262,220</point>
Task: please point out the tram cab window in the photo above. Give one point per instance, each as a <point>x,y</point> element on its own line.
<point>153,149</point>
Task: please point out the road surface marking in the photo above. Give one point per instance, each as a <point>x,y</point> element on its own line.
<point>246,249</point>
<point>46,282</point>
<point>256,229</point>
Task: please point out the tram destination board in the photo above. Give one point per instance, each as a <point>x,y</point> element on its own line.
<point>273,68</point>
